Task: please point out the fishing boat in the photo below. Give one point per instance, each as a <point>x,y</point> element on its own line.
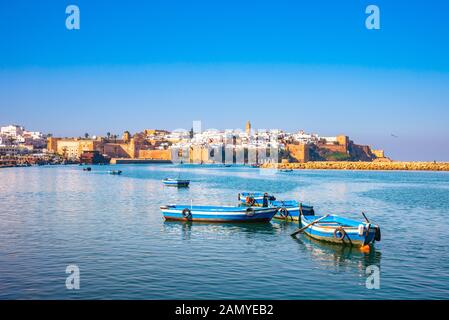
<point>116,172</point>
<point>287,209</point>
<point>217,213</point>
<point>286,170</point>
<point>336,229</point>
<point>176,182</point>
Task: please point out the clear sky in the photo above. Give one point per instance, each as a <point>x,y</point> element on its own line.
<point>292,65</point>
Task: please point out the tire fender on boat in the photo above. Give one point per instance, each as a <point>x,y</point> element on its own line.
<point>283,212</point>
<point>342,233</point>
<point>250,212</point>
<point>186,213</point>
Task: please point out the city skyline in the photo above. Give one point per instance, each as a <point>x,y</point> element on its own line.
<point>283,65</point>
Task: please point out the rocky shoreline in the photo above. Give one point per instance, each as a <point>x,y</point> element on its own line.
<point>347,165</point>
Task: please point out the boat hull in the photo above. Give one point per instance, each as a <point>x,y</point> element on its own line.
<point>217,214</point>
<point>290,210</point>
<point>293,213</point>
<point>327,231</point>
<point>176,183</point>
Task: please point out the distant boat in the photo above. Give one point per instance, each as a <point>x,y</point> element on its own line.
<point>336,229</point>
<point>176,182</point>
<point>217,213</point>
<point>255,165</point>
<point>87,169</point>
<point>287,209</point>
<point>117,172</point>
<point>286,170</point>
<point>227,165</point>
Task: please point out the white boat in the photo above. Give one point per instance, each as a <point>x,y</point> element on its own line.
<point>176,182</point>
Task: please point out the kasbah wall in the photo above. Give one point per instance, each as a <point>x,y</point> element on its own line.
<point>301,152</point>
<point>155,154</point>
<point>137,147</point>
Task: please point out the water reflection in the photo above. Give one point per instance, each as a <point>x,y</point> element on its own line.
<point>188,228</point>
<point>341,258</point>
<point>52,217</point>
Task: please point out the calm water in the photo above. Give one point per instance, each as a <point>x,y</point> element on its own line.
<point>111,227</point>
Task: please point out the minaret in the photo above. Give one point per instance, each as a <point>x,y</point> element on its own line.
<point>248,128</point>
<point>126,136</point>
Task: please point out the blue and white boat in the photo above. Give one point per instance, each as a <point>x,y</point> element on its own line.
<point>287,210</point>
<point>176,182</point>
<point>336,229</point>
<point>217,213</point>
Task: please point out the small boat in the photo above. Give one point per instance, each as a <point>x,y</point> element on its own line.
<point>336,229</point>
<point>227,165</point>
<point>255,165</point>
<point>87,169</point>
<point>176,182</point>
<point>286,170</point>
<point>117,172</point>
<point>217,213</point>
<point>287,209</point>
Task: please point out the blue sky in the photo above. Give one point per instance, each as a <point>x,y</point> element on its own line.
<point>281,64</point>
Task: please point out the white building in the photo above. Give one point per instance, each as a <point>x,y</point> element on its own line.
<point>5,140</point>
<point>17,135</point>
<point>12,130</point>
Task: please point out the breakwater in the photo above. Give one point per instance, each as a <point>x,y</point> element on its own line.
<point>137,161</point>
<point>348,165</point>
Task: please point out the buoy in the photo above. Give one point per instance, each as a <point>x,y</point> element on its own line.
<point>365,248</point>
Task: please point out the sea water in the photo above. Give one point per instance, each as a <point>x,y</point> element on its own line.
<point>110,227</point>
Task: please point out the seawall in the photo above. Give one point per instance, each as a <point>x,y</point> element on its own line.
<point>348,165</point>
